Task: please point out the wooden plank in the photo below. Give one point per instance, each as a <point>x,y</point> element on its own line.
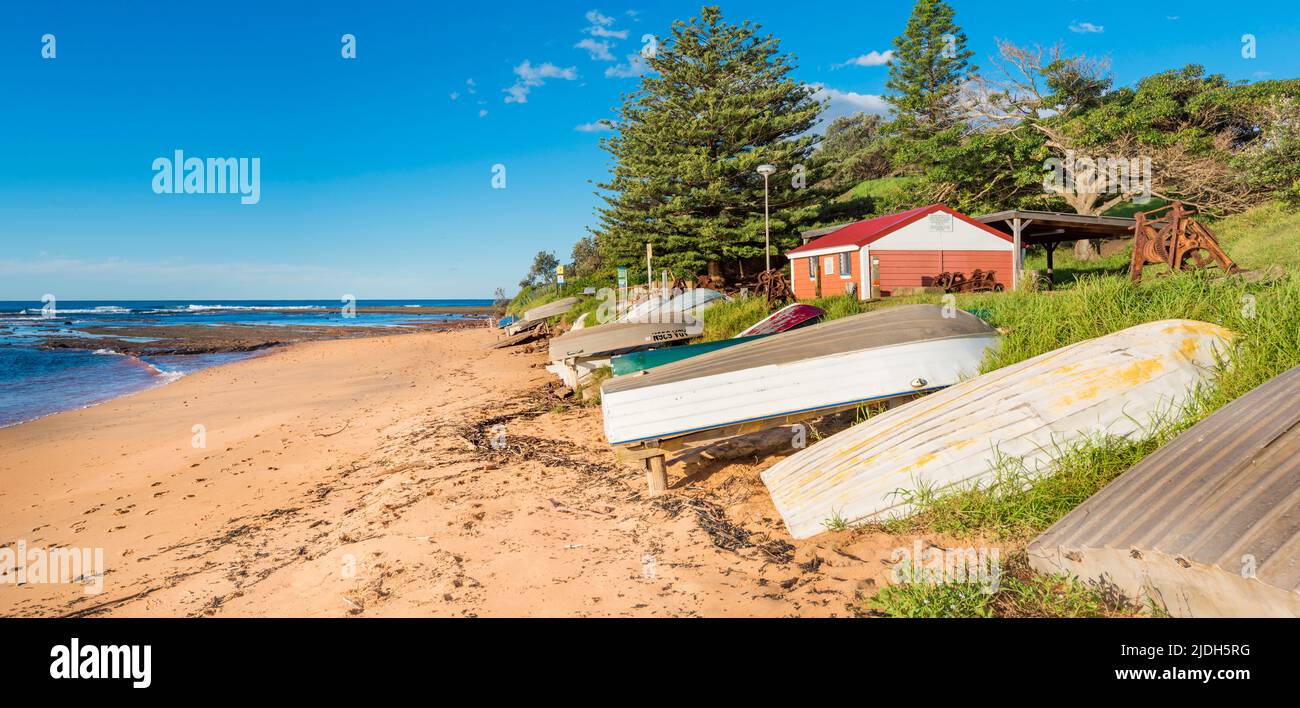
<point>657,476</point>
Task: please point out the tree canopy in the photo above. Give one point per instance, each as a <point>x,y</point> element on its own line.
<point>719,102</point>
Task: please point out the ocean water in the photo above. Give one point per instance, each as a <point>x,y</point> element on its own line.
<point>35,382</point>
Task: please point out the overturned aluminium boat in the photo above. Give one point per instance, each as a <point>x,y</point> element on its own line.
<point>575,354</point>
<point>783,320</point>
<point>1208,525</point>
<point>881,355</point>
<point>550,309</point>
<point>1019,415</point>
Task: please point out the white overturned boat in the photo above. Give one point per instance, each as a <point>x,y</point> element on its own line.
<point>536,317</point>
<point>876,356</point>
<point>1113,385</point>
<point>550,309</point>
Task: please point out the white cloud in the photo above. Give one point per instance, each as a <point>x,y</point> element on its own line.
<point>596,127</point>
<point>1086,28</point>
<point>636,66</point>
<point>844,103</point>
<point>600,26</point>
<point>470,86</point>
<point>872,58</point>
<point>530,77</point>
<point>482,112</point>
<point>455,95</point>
<point>599,50</point>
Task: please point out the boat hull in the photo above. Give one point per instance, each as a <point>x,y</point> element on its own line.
<point>1183,524</point>
<point>551,309</point>
<point>838,363</point>
<point>1019,415</point>
<point>643,361</point>
<point>779,390</point>
<point>617,338</point>
<point>784,319</point>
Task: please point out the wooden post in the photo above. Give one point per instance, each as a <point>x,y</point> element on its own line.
<point>1051,277</point>
<point>656,475</point>
<point>1015,254</point>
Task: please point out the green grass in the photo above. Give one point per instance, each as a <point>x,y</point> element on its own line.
<point>1019,593</point>
<point>1015,506</point>
<point>724,320</point>
<point>837,523</point>
<point>1262,237</point>
<point>889,189</point>
<point>590,393</point>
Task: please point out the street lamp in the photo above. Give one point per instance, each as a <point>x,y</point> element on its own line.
<point>766,171</point>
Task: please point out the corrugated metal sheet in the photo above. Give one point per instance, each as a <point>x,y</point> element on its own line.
<point>1209,524</point>
<point>877,355</point>
<point>1111,385</point>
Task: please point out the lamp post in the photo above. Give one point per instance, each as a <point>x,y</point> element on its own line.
<point>766,171</point>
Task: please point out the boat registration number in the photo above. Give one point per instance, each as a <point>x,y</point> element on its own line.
<point>671,334</point>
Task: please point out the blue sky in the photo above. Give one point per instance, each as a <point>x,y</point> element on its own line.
<point>376,172</point>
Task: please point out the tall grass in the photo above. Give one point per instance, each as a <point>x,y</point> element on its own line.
<point>1266,236</point>
<point>1265,316</point>
<point>1014,505</point>
<point>723,320</point>
<point>1020,593</point>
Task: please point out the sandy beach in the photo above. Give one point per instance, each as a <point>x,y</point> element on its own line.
<point>357,477</point>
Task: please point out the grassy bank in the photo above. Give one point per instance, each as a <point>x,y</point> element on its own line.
<point>1014,507</point>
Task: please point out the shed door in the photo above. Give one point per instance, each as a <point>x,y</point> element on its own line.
<point>900,269</point>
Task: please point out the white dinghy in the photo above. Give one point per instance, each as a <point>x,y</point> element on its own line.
<point>1022,414</point>
<point>881,355</point>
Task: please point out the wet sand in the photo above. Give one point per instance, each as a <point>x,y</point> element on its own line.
<point>359,477</point>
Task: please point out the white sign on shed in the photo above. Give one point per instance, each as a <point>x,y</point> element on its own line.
<point>941,221</point>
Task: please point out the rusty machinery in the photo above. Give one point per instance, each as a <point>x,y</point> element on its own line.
<point>1176,240</point>
<point>980,281</point>
<point>773,285</point>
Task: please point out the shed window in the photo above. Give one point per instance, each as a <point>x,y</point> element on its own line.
<point>846,264</point>
<point>830,265</point>
<point>812,268</point>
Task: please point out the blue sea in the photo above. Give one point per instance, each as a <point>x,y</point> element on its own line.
<point>36,382</point>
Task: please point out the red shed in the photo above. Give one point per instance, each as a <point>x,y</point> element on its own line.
<point>910,249</point>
